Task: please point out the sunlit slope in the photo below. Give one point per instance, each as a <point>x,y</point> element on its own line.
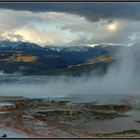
<point>11,61</point>
<point>104,58</point>
<point>16,56</point>
<point>97,66</point>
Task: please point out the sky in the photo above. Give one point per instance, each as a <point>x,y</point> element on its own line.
<point>70,23</point>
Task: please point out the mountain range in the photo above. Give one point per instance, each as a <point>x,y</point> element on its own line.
<point>32,59</point>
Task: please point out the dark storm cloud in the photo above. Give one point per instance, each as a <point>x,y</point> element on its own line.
<point>92,11</point>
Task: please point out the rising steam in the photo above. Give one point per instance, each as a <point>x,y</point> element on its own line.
<point>121,78</point>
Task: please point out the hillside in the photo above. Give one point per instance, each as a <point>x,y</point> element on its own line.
<point>32,59</point>
<point>96,66</point>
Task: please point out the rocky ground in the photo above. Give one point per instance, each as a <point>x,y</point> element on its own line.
<point>24,117</point>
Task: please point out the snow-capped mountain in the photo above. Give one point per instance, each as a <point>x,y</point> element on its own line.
<point>72,54</point>
<point>12,44</point>
<point>68,48</point>
<point>7,44</point>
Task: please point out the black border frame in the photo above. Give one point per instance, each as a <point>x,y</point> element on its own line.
<point>73,1</point>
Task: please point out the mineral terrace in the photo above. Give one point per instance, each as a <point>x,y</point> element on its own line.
<point>51,118</point>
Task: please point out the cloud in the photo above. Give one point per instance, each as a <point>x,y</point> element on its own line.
<point>12,37</point>
<point>43,37</point>
<point>93,11</point>
<point>97,32</point>
<point>61,28</point>
<point>40,28</point>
